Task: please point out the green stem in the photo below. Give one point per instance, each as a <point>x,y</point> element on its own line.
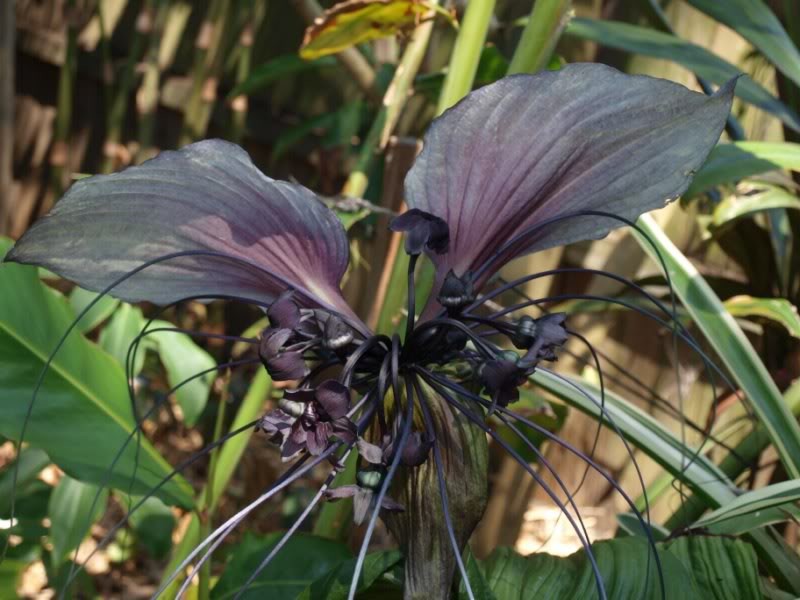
<point>119,104</point>
<point>66,89</point>
<point>204,82</point>
<point>466,53</point>
<point>540,36</point>
<point>147,95</point>
<point>239,104</point>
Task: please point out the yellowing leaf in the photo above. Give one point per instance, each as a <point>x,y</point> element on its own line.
<point>358,21</point>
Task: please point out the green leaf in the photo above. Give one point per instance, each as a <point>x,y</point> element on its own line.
<point>276,69</point>
<point>752,509</point>
<point>629,524</point>
<point>627,565</point>
<point>477,581</point>
<point>722,569</point>
<point>649,42</point>
<point>153,523</point>
<point>82,414</point>
<point>304,559</point>
<point>31,462</point>
<point>121,330</point>
<point>728,163</point>
<point>80,298</point>
<point>335,585</point>
<point>709,484</point>
<point>737,206</point>
<point>730,343</point>
<point>73,510</point>
<point>182,358</point>
<point>779,310</point>
<point>10,573</point>
<point>755,22</point>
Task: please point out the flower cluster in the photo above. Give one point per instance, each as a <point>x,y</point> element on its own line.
<point>524,164</point>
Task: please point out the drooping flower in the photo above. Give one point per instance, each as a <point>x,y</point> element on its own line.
<point>521,165</point>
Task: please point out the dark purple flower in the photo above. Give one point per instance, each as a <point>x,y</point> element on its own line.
<point>521,165</point>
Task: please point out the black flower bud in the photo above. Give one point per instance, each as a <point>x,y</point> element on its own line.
<point>424,231</point>
<point>456,292</point>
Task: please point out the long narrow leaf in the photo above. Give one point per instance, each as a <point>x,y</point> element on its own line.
<point>709,66</point>
<point>749,505</point>
<point>730,343</point>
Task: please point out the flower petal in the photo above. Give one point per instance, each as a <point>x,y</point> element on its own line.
<point>334,398</point>
<point>209,198</point>
<point>530,148</point>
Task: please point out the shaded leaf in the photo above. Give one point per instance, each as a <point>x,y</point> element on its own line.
<point>72,512</point>
<point>303,559</point>
<point>80,298</point>
<point>709,66</point>
<point>276,69</point>
<point>153,523</point>
<point>122,329</point>
<point>335,585</point>
<point>630,524</point>
<point>755,22</point>
<point>183,358</point>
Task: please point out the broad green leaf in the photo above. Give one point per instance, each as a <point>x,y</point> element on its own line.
<point>80,298</point>
<point>335,585</point>
<point>477,581</point>
<point>73,510</point>
<point>303,560</point>
<point>359,21</point>
<point>755,22</point>
<point>10,574</point>
<point>779,310</point>
<point>730,343</point>
<point>627,565</point>
<point>722,569</point>
<point>276,69</point>
<point>751,506</point>
<point>152,522</point>
<point>31,462</point>
<point>728,163</point>
<point>707,482</point>
<point>737,206</point>
<point>121,330</point>
<point>82,415</point>
<point>649,42</point>
<point>182,358</point>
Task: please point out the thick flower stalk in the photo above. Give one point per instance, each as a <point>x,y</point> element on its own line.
<point>524,164</point>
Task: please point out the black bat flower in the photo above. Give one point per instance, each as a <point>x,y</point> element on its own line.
<point>524,164</point>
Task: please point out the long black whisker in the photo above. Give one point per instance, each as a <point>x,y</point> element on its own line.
<point>485,428</point>
<point>437,457</point>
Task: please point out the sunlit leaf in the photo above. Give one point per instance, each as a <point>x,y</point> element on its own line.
<point>358,21</point>
<point>732,162</point>
<point>765,198</point>
<point>779,310</point>
<point>80,298</point>
<point>770,504</point>
<point>82,414</point>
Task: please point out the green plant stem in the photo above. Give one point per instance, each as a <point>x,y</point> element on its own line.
<point>119,104</point>
<point>147,95</point>
<point>204,82</point>
<point>239,104</point>
<point>66,90</point>
<point>207,511</point>
<point>466,53</point>
<point>540,36</point>
<point>730,343</point>
<point>225,466</point>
